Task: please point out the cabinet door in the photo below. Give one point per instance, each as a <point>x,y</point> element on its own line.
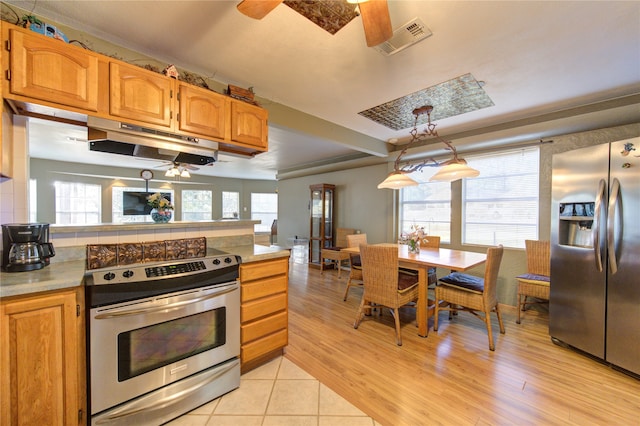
<point>39,360</point>
<point>50,70</point>
<point>202,112</point>
<point>139,94</point>
<point>249,124</point>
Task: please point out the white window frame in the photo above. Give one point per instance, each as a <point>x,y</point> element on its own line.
<point>78,203</point>
<point>230,204</point>
<point>264,215</point>
<point>501,206</point>
<point>204,208</point>
<point>434,198</point>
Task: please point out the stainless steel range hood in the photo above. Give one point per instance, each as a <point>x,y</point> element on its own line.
<point>126,139</point>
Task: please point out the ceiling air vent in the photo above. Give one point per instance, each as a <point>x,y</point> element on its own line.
<point>405,36</point>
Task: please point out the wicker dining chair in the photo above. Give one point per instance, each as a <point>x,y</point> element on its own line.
<point>384,285</point>
<point>537,281</point>
<point>334,254</point>
<point>463,292</point>
<point>355,274</point>
<point>433,241</point>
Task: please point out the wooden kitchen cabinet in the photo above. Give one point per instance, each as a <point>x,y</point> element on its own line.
<point>6,142</point>
<point>264,311</point>
<point>321,220</point>
<point>41,358</point>
<point>202,111</point>
<point>249,125</point>
<point>140,95</point>
<point>53,71</point>
<point>47,77</point>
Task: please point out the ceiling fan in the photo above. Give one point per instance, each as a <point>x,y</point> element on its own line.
<point>375,16</point>
<point>177,169</point>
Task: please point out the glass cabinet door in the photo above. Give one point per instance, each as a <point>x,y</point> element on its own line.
<point>321,221</point>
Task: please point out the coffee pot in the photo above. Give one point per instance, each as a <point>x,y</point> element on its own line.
<point>26,246</point>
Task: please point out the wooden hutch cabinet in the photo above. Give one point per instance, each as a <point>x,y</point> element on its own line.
<point>321,221</point>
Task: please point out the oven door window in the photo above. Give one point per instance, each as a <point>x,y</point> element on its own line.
<point>158,345</point>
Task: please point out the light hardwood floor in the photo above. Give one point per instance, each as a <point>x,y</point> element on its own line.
<point>450,377</point>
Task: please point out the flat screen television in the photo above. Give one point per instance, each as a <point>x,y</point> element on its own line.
<point>135,203</point>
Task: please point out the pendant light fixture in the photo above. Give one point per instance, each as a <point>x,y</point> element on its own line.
<point>453,169</point>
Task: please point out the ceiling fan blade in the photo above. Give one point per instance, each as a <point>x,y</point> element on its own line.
<point>376,21</point>
<point>257,9</point>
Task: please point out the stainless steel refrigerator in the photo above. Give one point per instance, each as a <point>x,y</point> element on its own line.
<point>594,304</point>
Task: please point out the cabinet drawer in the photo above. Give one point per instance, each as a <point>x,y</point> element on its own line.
<point>263,307</point>
<point>262,288</point>
<point>256,270</point>
<point>263,346</point>
<point>264,327</point>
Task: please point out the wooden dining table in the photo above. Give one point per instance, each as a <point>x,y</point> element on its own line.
<point>454,260</point>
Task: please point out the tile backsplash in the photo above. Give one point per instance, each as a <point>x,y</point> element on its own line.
<point>108,255</point>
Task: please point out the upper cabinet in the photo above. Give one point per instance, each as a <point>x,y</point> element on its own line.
<point>50,70</point>
<point>249,124</point>
<point>139,94</point>
<point>202,111</point>
<point>49,77</point>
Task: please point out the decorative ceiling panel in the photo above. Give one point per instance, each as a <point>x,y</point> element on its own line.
<point>454,97</point>
<point>327,14</point>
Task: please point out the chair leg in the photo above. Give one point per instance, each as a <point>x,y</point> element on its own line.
<point>360,310</point>
<point>487,320</point>
<point>346,290</point>
<point>435,315</point>
<point>396,316</point>
<point>500,323</point>
<point>520,306</point>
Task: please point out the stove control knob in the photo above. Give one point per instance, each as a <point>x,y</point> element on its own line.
<point>109,276</point>
<point>216,261</point>
<point>227,260</point>
<point>128,273</point>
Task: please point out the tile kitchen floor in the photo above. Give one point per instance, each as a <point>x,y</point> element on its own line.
<point>275,394</point>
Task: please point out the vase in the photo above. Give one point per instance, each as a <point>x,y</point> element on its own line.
<point>161,215</point>
<point>414,246</point>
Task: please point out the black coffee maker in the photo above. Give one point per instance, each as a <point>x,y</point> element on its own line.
<point>25,246</point>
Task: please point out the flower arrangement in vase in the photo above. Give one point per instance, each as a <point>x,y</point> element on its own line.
<point>414,238</point>
<point>161,208</point>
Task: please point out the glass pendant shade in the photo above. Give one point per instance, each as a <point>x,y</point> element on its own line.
<point>185,174</point>
<point>454,171</point>
<point>397,180</point>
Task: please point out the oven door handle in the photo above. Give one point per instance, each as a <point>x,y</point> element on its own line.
<point>161,403</point>
<point>165,308</point>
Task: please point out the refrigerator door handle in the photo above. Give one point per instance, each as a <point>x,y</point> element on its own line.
<point>611,247</point>
<point>595,227</point>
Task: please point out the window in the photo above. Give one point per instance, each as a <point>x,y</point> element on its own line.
<point>230,204</point>
<point>428,205</point>
<point>117,211</point>
<point>264,207</point>
<point>196,205</point>
<point>501,205</point>
<point>78,203</point>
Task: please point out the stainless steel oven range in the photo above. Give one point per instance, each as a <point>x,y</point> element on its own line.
<point>162,339</point>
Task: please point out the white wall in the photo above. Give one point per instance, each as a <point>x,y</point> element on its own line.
<point>358,204</point>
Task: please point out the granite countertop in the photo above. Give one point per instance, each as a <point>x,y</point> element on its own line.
<point>61,275</point>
